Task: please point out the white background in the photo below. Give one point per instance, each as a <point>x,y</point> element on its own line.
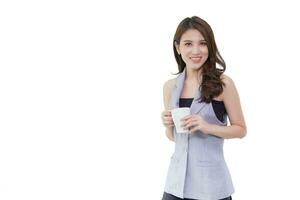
<point>81,96</point>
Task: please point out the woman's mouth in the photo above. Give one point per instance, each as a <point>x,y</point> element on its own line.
<point>196,59</point>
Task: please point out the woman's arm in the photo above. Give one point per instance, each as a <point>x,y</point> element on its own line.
<point>231,99</point>
<point>167,91</point>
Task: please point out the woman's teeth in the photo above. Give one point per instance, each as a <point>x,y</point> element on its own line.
<point>196,59</point>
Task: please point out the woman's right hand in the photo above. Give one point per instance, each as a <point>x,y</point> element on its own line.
<point>167,119</point>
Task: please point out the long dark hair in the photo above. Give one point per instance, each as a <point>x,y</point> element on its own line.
<point>211,85</point>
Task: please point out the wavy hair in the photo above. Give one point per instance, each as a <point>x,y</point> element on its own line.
<point>211,85</point>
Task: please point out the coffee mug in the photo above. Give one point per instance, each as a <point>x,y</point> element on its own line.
<point>177,115</point>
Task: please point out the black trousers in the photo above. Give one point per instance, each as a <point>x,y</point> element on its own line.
<point>168,196</point>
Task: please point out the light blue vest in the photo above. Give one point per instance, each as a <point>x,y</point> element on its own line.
<point>197,167</point>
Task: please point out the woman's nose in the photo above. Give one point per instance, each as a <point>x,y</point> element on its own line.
<point>196,50</point>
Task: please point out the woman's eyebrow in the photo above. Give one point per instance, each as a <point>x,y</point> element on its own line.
<point>192,41</point>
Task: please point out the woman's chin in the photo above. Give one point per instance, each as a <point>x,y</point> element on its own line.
<point>195,67</point>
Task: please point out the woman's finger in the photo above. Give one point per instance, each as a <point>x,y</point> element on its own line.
<point>167,118</point>
<point>168,123</point>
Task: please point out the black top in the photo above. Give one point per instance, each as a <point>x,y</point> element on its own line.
<point>218,107</point>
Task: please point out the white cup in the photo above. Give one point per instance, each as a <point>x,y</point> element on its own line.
<point>177,115</point>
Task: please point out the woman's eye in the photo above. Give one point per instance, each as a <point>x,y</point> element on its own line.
<point>203,43</point>
<point>187,44</point>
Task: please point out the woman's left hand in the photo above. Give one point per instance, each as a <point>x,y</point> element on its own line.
<point>194,123</point>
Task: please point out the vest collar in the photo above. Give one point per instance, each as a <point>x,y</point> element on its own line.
<point>195,106</point>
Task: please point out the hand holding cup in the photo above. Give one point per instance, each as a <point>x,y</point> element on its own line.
<point>167,119</point>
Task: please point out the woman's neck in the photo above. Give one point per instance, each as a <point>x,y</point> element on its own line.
<point>193,76</point>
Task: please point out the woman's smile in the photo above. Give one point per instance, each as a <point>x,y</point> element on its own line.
<point>196,59</point>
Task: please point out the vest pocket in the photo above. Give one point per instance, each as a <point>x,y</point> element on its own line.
<point>214,178</point>
<point>202,163</point>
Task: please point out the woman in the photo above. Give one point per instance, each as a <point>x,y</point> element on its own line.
<point>197,168</point>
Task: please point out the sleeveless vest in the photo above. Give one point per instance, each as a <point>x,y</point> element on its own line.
<point>197,168</point>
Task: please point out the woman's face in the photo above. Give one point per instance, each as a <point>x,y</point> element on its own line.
<point>193,49</point>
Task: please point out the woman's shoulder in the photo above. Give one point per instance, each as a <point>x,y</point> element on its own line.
<point>226,79</point>
<point>167,91</point>
<point>170,83</point>
<point>229,84</point>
